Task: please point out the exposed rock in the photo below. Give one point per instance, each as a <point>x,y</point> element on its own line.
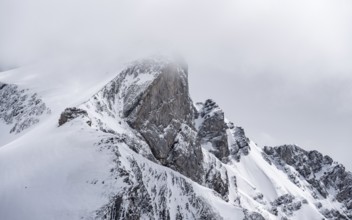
<point>319,171</point>
<point>287,203</point>
<point>318,205</point>
<point>216,176</point>
<point>163,114</point>
<point>20,108</point>
<point>161,109</point>
<point>152,97</point>
<point>142,198</point>
<point>212,129</point>
<point>72,113</point>
<point>319,186</point>
<point>185,155</point>
<point>333,214</point>
<point>284,199</point>
<point>253,216</point>
<point>240,143</point>
<point>241,139</point>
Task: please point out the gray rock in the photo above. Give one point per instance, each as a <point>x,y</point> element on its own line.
<point>216,177</point>
<point>240,145</point>
<point>253,215</point>
<point>185,155</point>
<point>152,96</point>
<point>72,113</point>
<point>160,110</point>
<point>163,114</point>
<point>283,200</point>
<point>333,214</point>
<point>213,129</point>
<point>20,108</point>
<point>287,203</point>
<point>309,164</point>
<point>144,198</point>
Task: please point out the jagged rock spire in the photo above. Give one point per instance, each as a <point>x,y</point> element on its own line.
<point>163,114</point>
<point>212,129</point>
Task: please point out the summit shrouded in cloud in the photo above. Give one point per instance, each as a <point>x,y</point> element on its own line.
<point>286,64</point>
<point>250,117</point>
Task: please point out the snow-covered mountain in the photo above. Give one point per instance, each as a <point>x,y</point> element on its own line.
<point>137,147</point>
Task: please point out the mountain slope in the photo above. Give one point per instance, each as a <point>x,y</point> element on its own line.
<point>139,148</point>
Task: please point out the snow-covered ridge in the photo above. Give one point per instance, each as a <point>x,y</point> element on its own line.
<point>325,178</point>
<point>140,149</point>
<point>222,145</point>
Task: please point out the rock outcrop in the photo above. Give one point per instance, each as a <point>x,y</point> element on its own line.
<point>20,108</point>
<point>212,129</point>
<point>239,142</point>
<point>327,177</point>
<point>170,197</point>
<point>72,113</point>
<point>163,114</point>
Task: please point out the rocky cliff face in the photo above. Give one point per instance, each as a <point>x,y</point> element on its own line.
<point>163,115</point>
<point>212,129</point>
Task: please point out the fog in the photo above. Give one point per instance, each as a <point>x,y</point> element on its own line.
<point>281,69</point>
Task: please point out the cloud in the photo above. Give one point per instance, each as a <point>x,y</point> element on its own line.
<point>278,67</point>
<point>265,34</point>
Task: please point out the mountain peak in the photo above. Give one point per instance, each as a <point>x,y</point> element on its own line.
<point>163,115</point>
<point>140,149</point>
<point>152,97</point>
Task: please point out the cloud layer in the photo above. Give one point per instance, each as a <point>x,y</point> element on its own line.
<point>282,69</point>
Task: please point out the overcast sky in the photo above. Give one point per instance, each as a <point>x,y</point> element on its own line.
<point>281,69</point>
